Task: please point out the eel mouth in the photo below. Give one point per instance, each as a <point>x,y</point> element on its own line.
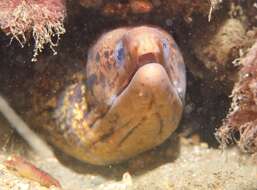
<point>148,70</point>
<point>148,58</point>
<point>149,78</point>
<point>146,52</point>
<point>141,61</point>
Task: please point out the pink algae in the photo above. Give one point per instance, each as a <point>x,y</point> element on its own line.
<point>43,19</point>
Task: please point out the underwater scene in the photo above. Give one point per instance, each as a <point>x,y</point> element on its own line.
<point>128,95</point>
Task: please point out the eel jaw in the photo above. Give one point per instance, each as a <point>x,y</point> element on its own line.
<point>140,118</point>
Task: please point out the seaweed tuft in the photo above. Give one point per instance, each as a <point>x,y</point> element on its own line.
<point>42,19</point>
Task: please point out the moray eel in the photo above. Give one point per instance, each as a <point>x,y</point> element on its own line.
<point>132,98</point>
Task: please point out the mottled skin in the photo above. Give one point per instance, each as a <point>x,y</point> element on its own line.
<point>131,100</point>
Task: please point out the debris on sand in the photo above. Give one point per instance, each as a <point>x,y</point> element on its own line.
<point>28,170</point>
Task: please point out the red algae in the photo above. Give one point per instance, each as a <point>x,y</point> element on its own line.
<point>241,123</point>
<point>43,19</point>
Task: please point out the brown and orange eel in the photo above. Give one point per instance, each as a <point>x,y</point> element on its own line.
<point>132,98</point>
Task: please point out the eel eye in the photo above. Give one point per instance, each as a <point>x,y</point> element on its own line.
<point>166,49</point>
<point>119,54</point>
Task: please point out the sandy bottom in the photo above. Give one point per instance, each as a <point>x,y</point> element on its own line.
<point>194,167</point>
